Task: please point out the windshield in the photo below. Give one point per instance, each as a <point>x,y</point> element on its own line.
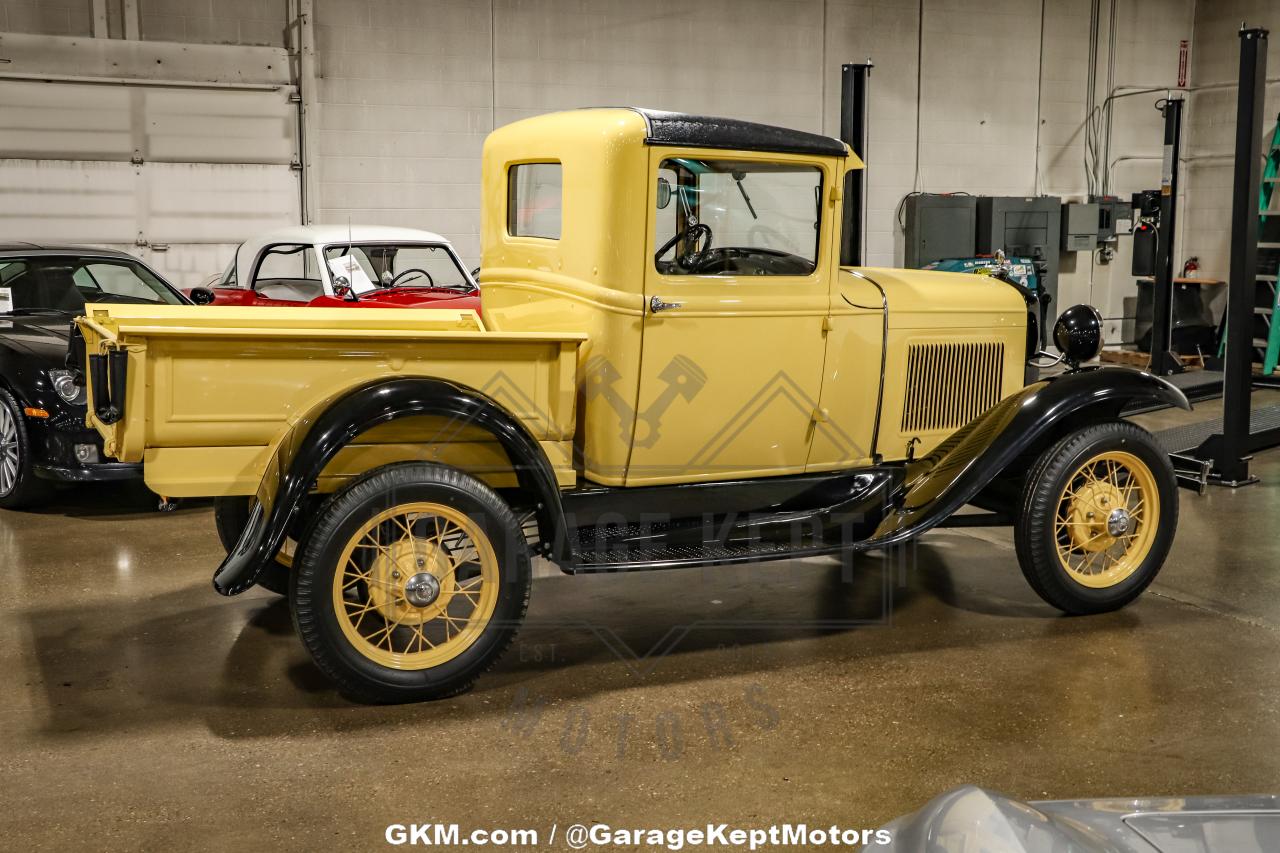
<point>731,217</point>
<point>40,285</point>
<point>368,266</point>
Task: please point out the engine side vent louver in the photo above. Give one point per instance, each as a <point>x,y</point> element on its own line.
<point>949,385</point>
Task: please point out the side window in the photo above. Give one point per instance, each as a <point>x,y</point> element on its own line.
<point>534,193</point>
<point>11,280</point>
<point>118,280</point>
<point>9,270</point>
<point>229,274</point>
<point>288,273</point>
<point>737,217</point>
<point>286,262</point>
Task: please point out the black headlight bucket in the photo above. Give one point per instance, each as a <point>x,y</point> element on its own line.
<point>1078,334</point>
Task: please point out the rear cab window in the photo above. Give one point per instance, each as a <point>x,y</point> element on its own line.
<point>535,194</point>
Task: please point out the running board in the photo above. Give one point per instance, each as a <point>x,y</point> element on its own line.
<point>667,556</point>
<point>668,527</point>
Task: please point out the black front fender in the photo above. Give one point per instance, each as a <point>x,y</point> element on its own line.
<point>313,442</point>
<point>958,469</point>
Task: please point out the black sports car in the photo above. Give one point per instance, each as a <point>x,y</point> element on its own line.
<point>43,437</point>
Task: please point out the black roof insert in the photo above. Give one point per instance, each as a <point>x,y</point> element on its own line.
<point>666,128</point>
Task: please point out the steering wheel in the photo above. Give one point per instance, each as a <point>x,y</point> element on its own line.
<point>404,273</point>
<point>692,259</point>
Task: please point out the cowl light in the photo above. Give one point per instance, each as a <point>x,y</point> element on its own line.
<point>1078,334</point>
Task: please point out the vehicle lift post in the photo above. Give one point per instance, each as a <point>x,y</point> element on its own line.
<point>1164,361</point>
<point>853,132</point>
<point>1233,446</point>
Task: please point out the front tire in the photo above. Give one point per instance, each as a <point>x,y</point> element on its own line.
<point>19,485</point>
<point>411,583</point>
<point>1098,515</point>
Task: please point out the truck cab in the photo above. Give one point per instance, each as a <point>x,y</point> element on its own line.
<point>699,255</point>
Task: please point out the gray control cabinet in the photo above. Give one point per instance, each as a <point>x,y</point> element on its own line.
<point>938,227</point>
<point>1029,227</point>
<point>1080,227</point>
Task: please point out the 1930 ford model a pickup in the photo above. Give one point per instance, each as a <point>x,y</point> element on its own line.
<point>672,371</point>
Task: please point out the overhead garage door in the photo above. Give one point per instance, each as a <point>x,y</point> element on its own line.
<point>175,175</point>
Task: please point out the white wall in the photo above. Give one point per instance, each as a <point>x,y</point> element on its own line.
<point>252,22</point>
<point>408,89</point>
<point>1146,54</point>
<point>46,17</point>
<point>1212,123</point>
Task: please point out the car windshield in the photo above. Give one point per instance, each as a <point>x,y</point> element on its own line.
<point>65,284</point>
<point>736,217</point>
<point>368,266</point>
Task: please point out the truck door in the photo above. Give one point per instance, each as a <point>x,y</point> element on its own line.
<point>737,290</point>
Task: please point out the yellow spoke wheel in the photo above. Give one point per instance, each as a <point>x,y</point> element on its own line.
<point>1106,519</point>
<point>416,585</point>
<point>1097,516</point>
<point>411,581</point>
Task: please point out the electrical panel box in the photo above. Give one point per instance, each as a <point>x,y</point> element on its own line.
<point>1025,227</point>
<point>939,227</point>
<point>1079,227</point>
<point>1115,217</point>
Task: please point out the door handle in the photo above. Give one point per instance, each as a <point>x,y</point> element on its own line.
<point>656,304</point>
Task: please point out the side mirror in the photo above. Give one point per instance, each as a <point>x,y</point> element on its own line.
<point>202,296</point>
<point>664,193</point>
<point>342,289</point>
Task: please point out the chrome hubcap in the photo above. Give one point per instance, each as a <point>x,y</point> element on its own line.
<point>8,451</point>
<point>422,589</point>
<point>1118,522</point>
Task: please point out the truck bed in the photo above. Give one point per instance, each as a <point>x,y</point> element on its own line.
<point>211,391</point>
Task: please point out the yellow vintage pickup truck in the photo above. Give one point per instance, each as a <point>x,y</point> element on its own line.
<point>673,369</point>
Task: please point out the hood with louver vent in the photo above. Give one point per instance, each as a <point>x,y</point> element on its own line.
<point>950,384</point>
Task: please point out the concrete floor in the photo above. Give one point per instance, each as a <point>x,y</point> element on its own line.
<point>142,711</point>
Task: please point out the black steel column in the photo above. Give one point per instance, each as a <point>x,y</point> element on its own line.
<point>1231,461</point>
<point>853,132</point>
<point>1163,360</point>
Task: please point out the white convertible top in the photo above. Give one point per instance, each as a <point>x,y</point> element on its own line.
<point>328,234</point>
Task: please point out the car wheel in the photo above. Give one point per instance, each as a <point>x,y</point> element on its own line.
<point>410,584</point>
<point>230,515</point>
<point>1099,511</point>
<point>19,486</point>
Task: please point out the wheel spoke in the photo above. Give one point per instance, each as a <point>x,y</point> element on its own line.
<point>378,562</point>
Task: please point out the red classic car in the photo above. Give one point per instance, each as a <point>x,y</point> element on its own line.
<point>333,266</point>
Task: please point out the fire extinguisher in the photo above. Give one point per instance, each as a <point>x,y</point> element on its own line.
<point>1191,268</point>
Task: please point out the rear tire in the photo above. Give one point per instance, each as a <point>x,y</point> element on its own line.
<point>19,485</point>
<point>231,514</point>
<point>410,584</point>
<point>1098,515</point>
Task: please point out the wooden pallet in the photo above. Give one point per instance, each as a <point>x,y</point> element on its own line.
<point>1134,358</point>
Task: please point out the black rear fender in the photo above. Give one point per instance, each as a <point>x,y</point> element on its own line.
<point>314,441</point>
<point>997,444</point>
